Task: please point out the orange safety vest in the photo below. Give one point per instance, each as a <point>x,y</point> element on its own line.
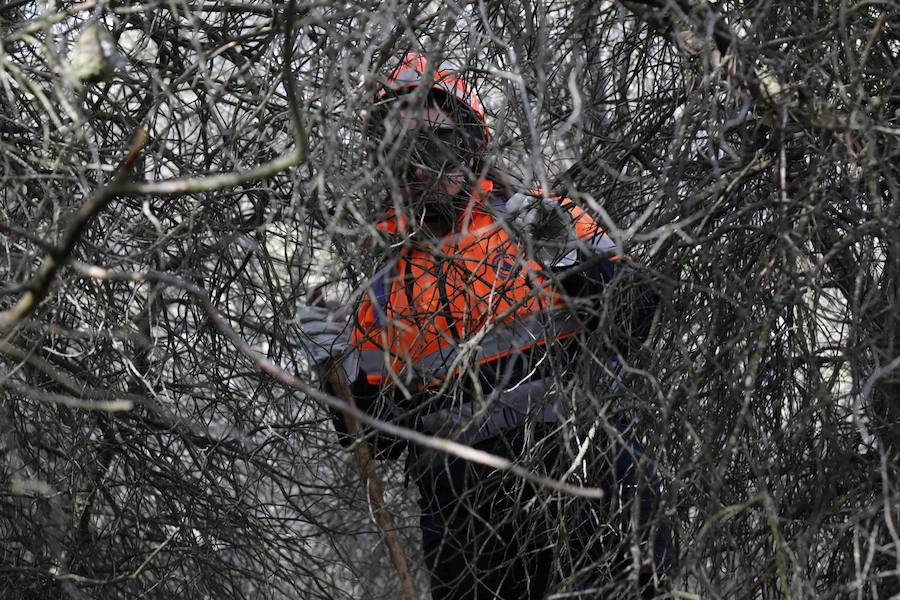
<point>471,298</point>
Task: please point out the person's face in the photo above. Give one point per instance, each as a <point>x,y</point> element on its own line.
<point>429,155</point>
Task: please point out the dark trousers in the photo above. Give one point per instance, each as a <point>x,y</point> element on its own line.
<point>488,534</point>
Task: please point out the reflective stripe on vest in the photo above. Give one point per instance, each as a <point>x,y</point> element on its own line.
<point>500,340</point>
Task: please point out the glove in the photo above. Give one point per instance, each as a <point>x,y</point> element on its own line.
<point>548,225</point>
<point>326,332</point>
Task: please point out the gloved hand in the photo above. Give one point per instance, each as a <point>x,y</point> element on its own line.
<point>326,334</point>
<point>548,225</point>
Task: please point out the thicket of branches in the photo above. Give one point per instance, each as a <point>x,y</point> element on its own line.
<point>177,177</point>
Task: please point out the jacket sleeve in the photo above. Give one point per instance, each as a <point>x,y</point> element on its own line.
<point>369,398</point>
<point>608,285</point>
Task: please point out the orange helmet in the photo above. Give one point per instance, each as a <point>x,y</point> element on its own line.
<point>412,73</point>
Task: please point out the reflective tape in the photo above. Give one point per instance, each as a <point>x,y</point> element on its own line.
<point>501,340</point>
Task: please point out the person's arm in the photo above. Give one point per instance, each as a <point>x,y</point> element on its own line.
<point>369,398</point>
<point>593,274</point>
<point>616,288</point>
<point>327,340</point>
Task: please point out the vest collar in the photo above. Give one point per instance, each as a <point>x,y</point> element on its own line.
<point>479,198</point>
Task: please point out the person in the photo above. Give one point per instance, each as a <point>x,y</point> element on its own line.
<point>461,334</point>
